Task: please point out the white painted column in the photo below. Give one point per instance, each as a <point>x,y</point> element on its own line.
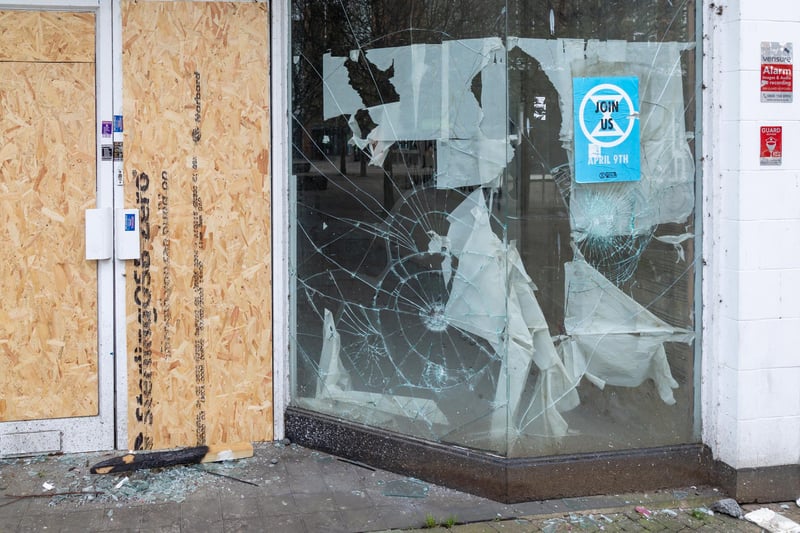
<point>751,286</point>
<point>281,218</point>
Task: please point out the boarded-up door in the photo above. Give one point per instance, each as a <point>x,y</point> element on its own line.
<point>56,362</point>
<point>199,332</point>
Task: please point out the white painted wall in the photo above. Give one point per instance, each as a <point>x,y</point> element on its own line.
<point>751,286</point>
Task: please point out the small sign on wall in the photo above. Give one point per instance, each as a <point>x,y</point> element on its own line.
<point>771,145</point>
<point>606,122</point>
<point>777,72</point>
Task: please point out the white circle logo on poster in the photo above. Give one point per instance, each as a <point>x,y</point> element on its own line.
<point>605,99</point>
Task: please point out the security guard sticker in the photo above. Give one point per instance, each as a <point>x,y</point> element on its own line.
<point>771,145</point>
<point>606,129</point>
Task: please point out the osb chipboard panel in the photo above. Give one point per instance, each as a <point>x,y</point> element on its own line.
<point>46,36</point>
<point>48,312</point>
<point>195,94</point>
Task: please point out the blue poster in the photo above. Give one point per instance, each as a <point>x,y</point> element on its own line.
<point>606,129</point>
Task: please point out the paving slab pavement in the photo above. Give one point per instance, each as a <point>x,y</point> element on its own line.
<point>287,488</point>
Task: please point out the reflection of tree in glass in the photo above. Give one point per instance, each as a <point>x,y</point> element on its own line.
<point>630,20</point>
<point>342,26</point>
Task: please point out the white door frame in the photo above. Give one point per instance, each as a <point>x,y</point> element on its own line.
<point>282,221</point>
<point>120,292</point>
<point>79,434</point>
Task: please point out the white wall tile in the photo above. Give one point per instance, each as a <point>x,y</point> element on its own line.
<point>730,243</point>
<point>789,298</point>
<point>778,11</point>
<point>768,442</point>
<point>769,393</point>
<point>730,146</point>
<point>750,141</point>
<point>730,94</point>
<point>779,245</point>
<point>753,32</point>
<point>744,253</point>
<point>731,11</point>
<point>730,351</point>
<point>740,143</point>
<point>761,245</point>
<point>729,392</point>
<point>729,194</point>
<point>791,137</point>
<point>726,441</point>
<point>764,344</point>
<point>730,41</point>
<point>766,195</point>
<point>758,294</point>
<point>728,296</point>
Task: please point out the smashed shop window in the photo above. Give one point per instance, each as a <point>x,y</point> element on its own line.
<point>456,277</point>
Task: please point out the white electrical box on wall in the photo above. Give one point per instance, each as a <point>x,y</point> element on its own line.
<point>127,233</point>
<point>99,244</point>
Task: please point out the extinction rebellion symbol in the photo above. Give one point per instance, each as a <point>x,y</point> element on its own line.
<point>603,101</point>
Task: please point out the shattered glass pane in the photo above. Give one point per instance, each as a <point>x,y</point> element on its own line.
<point>408,488</point>
<point>452,279</point>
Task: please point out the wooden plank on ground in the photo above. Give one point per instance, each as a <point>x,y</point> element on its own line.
<point>183,456</point>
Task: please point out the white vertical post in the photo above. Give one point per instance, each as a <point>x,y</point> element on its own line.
<point>121,349</point>
<point>281,128</point>
<point>105,269</point>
